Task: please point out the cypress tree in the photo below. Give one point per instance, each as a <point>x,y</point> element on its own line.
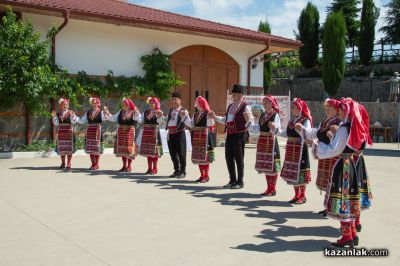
<point>369,17</point>
<point>264,26</point>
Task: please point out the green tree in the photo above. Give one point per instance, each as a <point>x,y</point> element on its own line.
<point>350,12</point>
<point>369,17</point>
<point>334,48</point>
<point>392,21</point>
<point>308,34</point>
<point>265,27</point>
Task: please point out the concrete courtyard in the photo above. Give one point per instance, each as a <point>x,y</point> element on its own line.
<point>79,217</point>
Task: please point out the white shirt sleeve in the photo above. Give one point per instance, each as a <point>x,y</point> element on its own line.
<point>55,120</point>
<point>220,119</point>
<point>277,121</point>
<point>73,119</point>
<point>210,122</point>
<point>137,117</point>
<point>140,119</point>
<point>310,133</point>
<point>103,116</point>
<point>251,119</point>
<point>113,118</point>
<point>82,120</point>
<point>336,147</point>
<point>188,122</point>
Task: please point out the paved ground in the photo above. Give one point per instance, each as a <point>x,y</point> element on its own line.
<point>53,217</point>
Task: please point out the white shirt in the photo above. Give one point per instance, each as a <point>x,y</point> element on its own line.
<point>84,118</point>
<point>173,122</point>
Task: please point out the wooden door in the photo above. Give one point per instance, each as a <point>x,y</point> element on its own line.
<point>183,72</point>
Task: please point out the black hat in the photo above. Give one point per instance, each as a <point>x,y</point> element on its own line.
<point>176,94</point>
<point>237,89</point>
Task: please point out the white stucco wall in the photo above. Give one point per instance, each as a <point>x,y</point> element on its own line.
<point>99,47</point>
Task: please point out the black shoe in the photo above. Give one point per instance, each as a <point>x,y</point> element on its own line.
<point>349,243</point>
<point>293,200</point>
<point>237,186</point>
<point>356,240</point>
<point>324,212</point>
<point>241,184</point>
<point>229,185</point>
<point>358,227</point>
<point>175,174</point>
<point>181,175</point>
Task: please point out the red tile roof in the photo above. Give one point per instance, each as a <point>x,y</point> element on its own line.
<point>126,12</point>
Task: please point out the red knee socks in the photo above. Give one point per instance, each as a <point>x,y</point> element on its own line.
<point>129,168</point>
<point>302,192</point>
<point>123,164</point>
<point>346,228</point>
<point>149,165</point>
<point>273,183</point>
<point>155,161</point>
<point>69,157</point>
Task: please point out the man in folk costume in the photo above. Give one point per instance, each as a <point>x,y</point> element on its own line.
<point>342,201</point>
<point>150,140</point>
<point>125,145</point>
<point>237,119</point>
<point>268,155</point>
<point>203,129</point>
<point>296,166</point>
<point>176,135</point>
<point>64,121</point>
<point>318,136</point>
<point>94,134</point>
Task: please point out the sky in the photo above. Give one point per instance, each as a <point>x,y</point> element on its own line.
<point>282,14</point>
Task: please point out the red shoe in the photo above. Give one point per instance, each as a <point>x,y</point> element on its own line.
<point>154,171</point>
<point>96,167</point>
<point>204,179</point>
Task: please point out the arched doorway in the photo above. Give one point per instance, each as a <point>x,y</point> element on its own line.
<point>207,71</point>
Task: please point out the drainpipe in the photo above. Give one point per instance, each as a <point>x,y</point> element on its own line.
<point>249,65</point>
<point>53,57</point>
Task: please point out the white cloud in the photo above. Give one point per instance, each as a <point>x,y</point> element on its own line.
<point>162,5</point>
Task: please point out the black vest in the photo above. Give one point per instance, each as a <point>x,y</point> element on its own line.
<point>263,122</point>
<point>150,121</point>
<point>291,131</point>
<point>93,120</point>
<point>324,128</point>
<point>66,120</point>
<point>200,119</point>
<point>127,122</point>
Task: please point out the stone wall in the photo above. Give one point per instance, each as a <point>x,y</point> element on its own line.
<point>12,122</point>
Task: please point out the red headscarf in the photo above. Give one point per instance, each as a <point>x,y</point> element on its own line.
<point>95,100</point>
<point>332,102</point>
<point>303,108</point>
<point>271,99</point>
<point>154,100</point>
<point>129,103</point>
<point>365,119</point>
<point>202,102</point>
<point>358,132</point>
<point>62,101</point>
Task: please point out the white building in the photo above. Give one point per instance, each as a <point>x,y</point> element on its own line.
<point>100,35</point>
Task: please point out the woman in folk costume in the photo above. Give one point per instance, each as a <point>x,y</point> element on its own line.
<point>203,132</point>
<point>363,179</point>
<point>64,120</point>
<point>268,159</point>
<point>125,145</point>
<point>325,166</point>
<point>150,140</point>
<point>342,201</point>
<point>94,134</point>
<point>296,166</point>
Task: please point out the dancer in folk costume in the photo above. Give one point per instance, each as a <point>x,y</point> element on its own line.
<point>125,145</point>
<point>343,196</point>
<point>64,120</point>
<point>268,159</point>
<point>176,135</point>
<point>361,170</point>
<point>237,119</point>
<point>150,140</point>
<point>203,135</point>
<point>296,166</point>
<point>94,133</point>
<point>319,136</point>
